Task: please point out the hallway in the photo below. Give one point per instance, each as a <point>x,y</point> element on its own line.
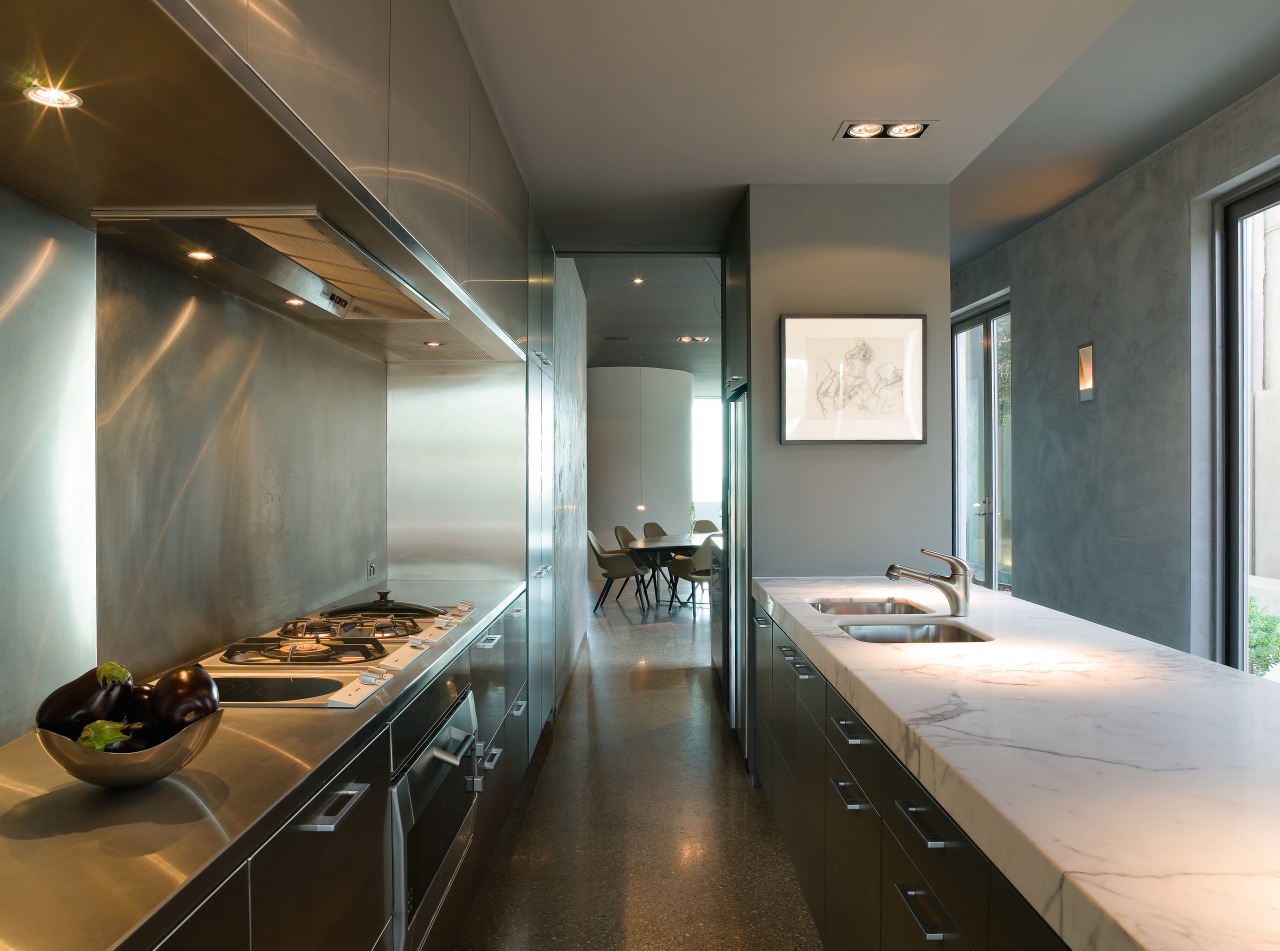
<point>638,828</point>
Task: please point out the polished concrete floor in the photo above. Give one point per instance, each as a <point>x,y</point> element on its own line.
<point>637,827</point>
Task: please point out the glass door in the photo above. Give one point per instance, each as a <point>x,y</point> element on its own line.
<point>982,441</point>
<point>1252,375</point>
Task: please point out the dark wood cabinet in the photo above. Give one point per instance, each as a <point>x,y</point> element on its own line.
<point>881,864</point>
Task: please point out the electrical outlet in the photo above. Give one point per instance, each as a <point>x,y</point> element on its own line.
<point>373,570</point>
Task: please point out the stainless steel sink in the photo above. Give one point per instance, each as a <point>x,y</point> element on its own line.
<point>856,606</point>
<point>912,633</point>
<point>268,690</point>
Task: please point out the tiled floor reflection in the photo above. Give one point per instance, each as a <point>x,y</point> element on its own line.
<point>638,827</point>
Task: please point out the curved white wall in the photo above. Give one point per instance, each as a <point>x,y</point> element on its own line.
<point>639,423</point>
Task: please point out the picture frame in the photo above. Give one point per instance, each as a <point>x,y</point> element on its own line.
<point>852,378</point>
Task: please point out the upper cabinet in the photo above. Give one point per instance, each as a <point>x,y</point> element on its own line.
<point>330,62</point>
<point>389,87</point>
<point>428,185</point>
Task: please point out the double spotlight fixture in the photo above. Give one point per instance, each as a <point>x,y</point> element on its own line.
<point>882,129</point>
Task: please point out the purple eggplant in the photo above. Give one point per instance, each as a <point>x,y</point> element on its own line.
<point>99,694</point>
<point>184,695</point>
<point>143,729</point>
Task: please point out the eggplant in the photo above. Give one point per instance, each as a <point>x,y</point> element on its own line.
<point>144,730</point>
<point>100,734</point>
<point>184,695</point>
<point>99,694</point>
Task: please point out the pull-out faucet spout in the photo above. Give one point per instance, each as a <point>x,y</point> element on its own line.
<point>955,586</point>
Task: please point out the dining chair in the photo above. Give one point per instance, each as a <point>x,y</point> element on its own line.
<point>661,560</point>
<point>615,565</point>
<point>705,525</point>
<point>646,560</point>
<point>653,530</point>
<point>695,569</point>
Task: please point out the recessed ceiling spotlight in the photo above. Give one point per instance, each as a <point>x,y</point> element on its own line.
<point>883,129</point>
<point>637,280</point>
<point>295,302</point>
<point>200,255</point>
<point>701,339</point>
<point>53,96</point>
<point>685,339</point>
<point>522,339</point>
<point>433,343</point>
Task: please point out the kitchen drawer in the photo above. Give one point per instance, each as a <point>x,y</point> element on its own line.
<point>339,836</point>
<point>518,734</point>
<point>766,770</point>
<point>811,689</point>
<point>957,872</point>
<point>803,840</point>
<point>912,917</point>
<point>762,666</point>
<point>221,923</point>
<point>858,748</point>
<point>495,795</point>
<point>783,723</point>
<point>1015,925</point>
<point>489,679</point>
<point>810,770</point>
<point>515,629</point>
<point>853,831</point>
<point>414,724</point>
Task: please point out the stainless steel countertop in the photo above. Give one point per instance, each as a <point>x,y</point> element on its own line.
<point>86,868</point>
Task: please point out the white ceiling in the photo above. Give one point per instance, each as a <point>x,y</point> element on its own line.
<point>637,125</point>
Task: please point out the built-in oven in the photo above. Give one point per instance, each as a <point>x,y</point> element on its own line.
<point>433,810</point>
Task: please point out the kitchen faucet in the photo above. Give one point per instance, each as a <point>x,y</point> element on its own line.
<point>955,586</point>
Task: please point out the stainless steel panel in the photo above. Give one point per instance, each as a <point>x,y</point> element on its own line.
<point>569,535</point>
<point>241,465</point>
<point>329,61</point>
<point>456,497</point>
<point>230,18</point>
<point>47,521</point>
<point>486,208</point>
<point>427,188</point>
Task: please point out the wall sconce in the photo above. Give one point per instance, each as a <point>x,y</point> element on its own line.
<point>1084,363</point>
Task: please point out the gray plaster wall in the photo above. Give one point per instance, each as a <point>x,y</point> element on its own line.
<point>848,249</point>
<point>1112,515</point>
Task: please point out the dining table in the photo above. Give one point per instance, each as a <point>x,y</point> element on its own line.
<point>660,549</point>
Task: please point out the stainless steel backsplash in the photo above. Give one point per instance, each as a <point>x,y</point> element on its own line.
<point>47,616</point>
<point>241,465</point>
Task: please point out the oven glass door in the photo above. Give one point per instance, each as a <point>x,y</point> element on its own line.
<point>433,805</point>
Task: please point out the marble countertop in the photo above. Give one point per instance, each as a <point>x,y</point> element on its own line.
<point>1130,791</point>
<point>87,868</point>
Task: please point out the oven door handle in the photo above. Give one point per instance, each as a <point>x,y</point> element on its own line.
<point>413,793</point>
<point>323,821</point>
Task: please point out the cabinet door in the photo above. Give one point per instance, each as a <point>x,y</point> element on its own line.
<point>495,796</point>
<point>911,916</point>
<point>1015,925</point>
<point>761,690</point>
<point>337,837</point>
<point>852,862</point>
<point>783,725</point>
<point>857,746</point>
<point>221,923</point>
<point>518,736</point>
<point>489,679</point>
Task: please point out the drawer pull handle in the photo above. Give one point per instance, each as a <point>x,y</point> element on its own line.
<point>762,622</point>
<point>488,642</point>
<point>517,710</point>
<point>492,757</point>
<point>517,613</point>
<point>323,821</point>
<point>840,726</point>
<point>787,651</point>
<point>843,787</point>
<point>798,666</point>
<point>911,812</point>
<point>932,930</point>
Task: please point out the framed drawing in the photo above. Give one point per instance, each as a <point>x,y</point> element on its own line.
<point>852,378</point>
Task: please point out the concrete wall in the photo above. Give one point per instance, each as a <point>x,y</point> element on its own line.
<point>1112,499</point>
<point>639,422</point>
<point>848,249</point>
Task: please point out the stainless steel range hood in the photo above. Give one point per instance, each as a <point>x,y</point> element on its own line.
<point>181,145</point>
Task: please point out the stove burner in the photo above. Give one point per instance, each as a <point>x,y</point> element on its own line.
<point>378,627</point>
<point>310,627</point>
<point>274,650</point>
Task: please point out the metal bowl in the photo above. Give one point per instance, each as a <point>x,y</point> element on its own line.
<point>130,769</point>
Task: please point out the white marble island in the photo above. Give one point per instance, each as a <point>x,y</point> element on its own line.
<point>1131,792</point>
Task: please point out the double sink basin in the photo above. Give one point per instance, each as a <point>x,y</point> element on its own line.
<point>907,632</point>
